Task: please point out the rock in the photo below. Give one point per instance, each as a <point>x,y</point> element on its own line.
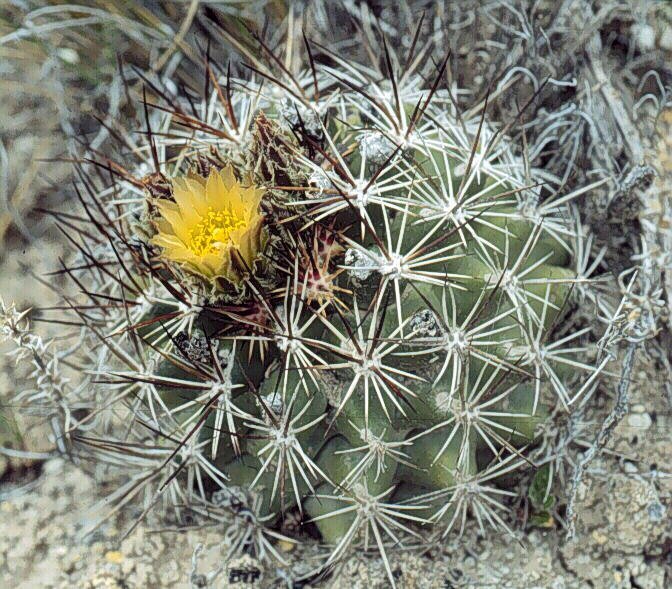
<point>656,511</point>
<point>640,421</point>
<point>625,511</point>
<point>644,35</point>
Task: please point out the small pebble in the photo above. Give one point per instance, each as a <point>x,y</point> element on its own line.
<point>286,546</point>
<point>656,511</point>
<point>644,36</point>
<point>639,420</point>
<point>114,556</point>
<point>68,55</point>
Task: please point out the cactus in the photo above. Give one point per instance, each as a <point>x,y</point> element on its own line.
<point>323,296</point>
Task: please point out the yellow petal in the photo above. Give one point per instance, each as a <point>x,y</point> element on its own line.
<point>215,265</point>
<point>181,255</point>
<point>228,177</point>
<point>215,192</point>
<point>190,208</point>
<point>167,241</point>
<point>197,195</point>
<point>163,226</point>
<point>180,228</point>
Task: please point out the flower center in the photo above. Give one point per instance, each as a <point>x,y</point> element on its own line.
<point>213,231</point>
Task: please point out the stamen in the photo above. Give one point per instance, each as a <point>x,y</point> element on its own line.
<point>213,231</point>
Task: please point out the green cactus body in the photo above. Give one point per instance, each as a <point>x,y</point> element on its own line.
<point>421,374</point>
<point>377,348</point>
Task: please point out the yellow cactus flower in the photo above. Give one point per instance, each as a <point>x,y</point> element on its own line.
<point>211,220</point>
